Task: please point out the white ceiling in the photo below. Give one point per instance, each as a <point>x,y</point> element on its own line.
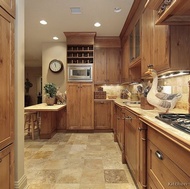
<point>58,15</point>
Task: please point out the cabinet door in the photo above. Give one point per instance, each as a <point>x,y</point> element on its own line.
<point>9,6</point>
<point>7,78</point>
<point>146,40</point>
<point>102,115</point>
<point>6,167</point>
<point>73,106</point>
<point>61,119</point>
<point>113,63</point>
<point>87,106</point>
<point>131,136</point>
<point>161,47</point>
<point>125,62</point>
<point>100,66</point>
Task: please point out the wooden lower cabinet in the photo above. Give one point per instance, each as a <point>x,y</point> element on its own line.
<point>168,162</point>
<point>7,167</point>
<point>135,148</point>
<point>61,120</point>
<point>80,106</point>
<point>102,115</point>
<point>119,128</point>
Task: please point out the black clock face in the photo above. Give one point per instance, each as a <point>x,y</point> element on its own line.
<point>56,66</point>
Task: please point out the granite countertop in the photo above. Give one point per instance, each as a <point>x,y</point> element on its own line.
<point>44,107</point>
<point>148,116</point>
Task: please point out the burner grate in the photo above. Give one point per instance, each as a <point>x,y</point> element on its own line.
<point>179,121</point>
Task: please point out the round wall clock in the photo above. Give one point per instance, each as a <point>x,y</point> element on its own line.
<point>56,66</point>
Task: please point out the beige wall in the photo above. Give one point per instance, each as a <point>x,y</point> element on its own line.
<point>52,51</point>
<point>180,85</point>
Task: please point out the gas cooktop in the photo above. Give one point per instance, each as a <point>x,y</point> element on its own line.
<point>179,121</point>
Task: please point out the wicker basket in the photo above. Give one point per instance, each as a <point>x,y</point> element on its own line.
<point>100,95</point>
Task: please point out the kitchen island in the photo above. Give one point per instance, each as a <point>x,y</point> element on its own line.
<point>51,118</point>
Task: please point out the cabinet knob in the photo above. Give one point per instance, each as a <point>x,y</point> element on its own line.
<point>159,155</point>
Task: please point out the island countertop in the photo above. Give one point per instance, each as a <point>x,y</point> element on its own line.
<point>44,107</point>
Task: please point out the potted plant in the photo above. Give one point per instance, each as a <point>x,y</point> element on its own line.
<point>50,92</point>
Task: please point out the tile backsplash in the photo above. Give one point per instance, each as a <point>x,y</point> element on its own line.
<point>172,85</point>
<point>179,85</point>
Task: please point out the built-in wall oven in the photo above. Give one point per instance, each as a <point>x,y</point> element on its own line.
<point>80,72</point>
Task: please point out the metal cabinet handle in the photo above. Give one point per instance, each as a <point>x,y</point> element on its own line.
<point>128,118</point>
<point>141,129</point>
<point>159,155</point>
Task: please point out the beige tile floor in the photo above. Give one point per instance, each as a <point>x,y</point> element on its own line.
<point>76,161</point>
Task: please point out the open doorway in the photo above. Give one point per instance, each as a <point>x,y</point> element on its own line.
<point>33,85</point>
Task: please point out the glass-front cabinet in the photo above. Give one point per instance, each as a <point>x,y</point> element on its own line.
<point>135,43</point>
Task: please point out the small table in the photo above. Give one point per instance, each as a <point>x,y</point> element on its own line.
<point>50,118</point>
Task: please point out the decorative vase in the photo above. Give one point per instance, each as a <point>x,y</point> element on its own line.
<point>50,101</point>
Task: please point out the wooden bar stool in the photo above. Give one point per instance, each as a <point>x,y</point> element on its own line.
<point>32,123</point>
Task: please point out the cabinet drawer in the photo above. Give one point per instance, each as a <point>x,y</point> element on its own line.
<point>164,172</point>
<point>167,162</point>
<point>170,148</point>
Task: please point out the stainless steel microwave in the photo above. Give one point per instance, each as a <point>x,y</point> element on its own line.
<point>80,72</point>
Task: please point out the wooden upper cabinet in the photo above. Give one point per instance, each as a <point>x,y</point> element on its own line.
<point>107,60</point>
<point>113,59</point>
<point>155,43</point>
<point>174,13</point>
<point>9,6</point>
<point>107,65</point>
<point>100,66</point>
<point>134,49</point>
<point>166,47</point>
<point>7,78</point>
<point>147,40</point>
<point>125,62</point>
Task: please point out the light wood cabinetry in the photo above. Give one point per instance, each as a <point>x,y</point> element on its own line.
<point>102,115</point>
<point>119,129</point>
<point>166,47</point>
<point>171,13</point>
<point>107,65</point>
<point>7,167</point>
<point>164,168</point>
<point>62,117</point>
<point>7,78</point>
<point>155,44</point>
<point>9,6</point>
<point>125,62</point>
<point>7,94</point>
<point>80,106</point>
<point>135,147</point>
<point>135,43</point>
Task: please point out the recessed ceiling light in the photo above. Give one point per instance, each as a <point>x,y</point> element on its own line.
<point>117,9</point>
<point>75,10</point>
<point>43,22</point>
<point>97,24</point>
<point>55,38</point>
